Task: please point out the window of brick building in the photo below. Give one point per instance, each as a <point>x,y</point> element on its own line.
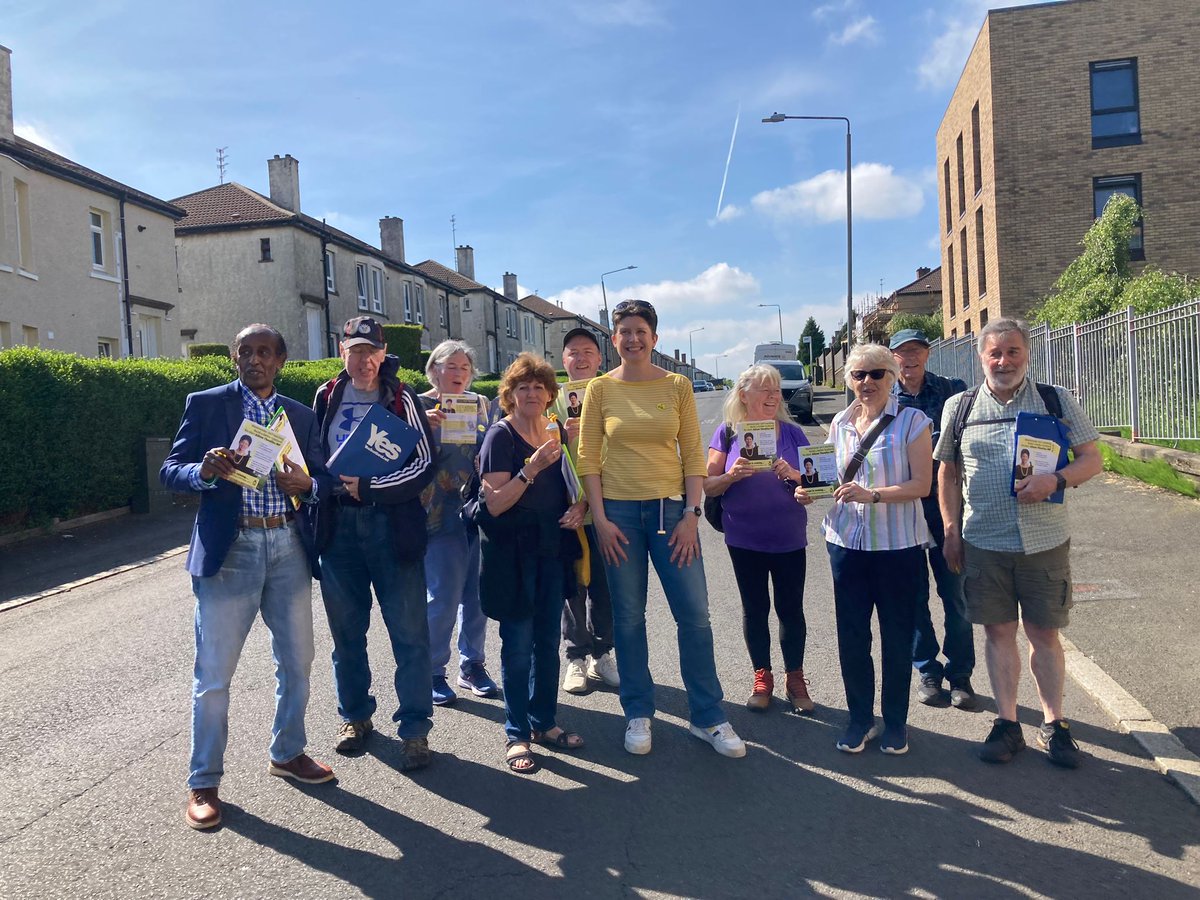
<point>950,278</point>
<point>962,177</point>
<point>962,260</point>
<point>980,265</point>
<point>976,152</point>
<point>1131,185</point>
<point>983,317</point>
<point>946,191</point>
<point>1116,117</point>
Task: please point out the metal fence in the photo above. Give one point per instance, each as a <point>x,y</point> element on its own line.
<point>1137,372</point>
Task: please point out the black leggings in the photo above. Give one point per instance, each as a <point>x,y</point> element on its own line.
<point>786,570</point>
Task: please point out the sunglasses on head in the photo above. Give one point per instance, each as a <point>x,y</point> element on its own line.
<point>864,374</point>
<point>631,305</point>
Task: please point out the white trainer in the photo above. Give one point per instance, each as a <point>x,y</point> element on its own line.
<point>723,739</point>
<point>637,736</point>
<point>604,668</point>
<point>575,681</point>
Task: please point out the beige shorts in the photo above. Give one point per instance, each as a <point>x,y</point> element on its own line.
<point>998,585</point>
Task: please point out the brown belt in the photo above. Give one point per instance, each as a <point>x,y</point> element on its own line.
<point>266,521</point>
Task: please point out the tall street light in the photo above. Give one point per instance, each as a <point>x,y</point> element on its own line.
<point>780,117</point>
<point>717,357</point>
<point>691,352</point>
<point>779,310</point>
<point>607,323</point>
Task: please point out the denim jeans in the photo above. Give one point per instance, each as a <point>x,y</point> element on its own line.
<point>687,596</point>
<point>587,620</point>
<point>452,585</point>
<point>959,643</point>
<point>266,571</point>
<point>529,658</point>
<point>890,582</point>
<point>361,556</point>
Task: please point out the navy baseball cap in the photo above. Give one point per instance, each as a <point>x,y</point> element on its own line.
<point>581,332</point>
<point>363,330</point>
<point>905,335</point>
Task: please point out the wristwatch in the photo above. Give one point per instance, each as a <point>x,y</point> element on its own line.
<point>698,510</point>
<point>523,477</point>
<point>1062,482</point>
<point>874,496</point>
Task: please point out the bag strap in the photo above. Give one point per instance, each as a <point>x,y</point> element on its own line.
<point>727,434</point>
<point>1047,392</point>
<point>861,453</point>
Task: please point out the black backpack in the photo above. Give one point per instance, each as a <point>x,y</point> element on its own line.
<point>712,505</point>
<point>1048,393</point>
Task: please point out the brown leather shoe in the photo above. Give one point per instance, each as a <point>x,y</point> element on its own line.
<point>797,692</point>
<point>764,686</point>
<point>204,809</point>
<point>302,768</point>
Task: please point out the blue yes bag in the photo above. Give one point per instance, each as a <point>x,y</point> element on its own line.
<point>380,444</point>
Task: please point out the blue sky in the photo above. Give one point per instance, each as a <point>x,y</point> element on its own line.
<point>566,138</point>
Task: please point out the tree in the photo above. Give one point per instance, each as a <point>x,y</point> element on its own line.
<point>1099,280</point>
<point>930,325</point>
<point>813,330</point>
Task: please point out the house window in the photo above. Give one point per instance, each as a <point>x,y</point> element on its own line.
<point>976,152</point>
<point>264,249</point>
<point>96,225</point>
<point>950,277</point>
<point>962,261</point>
<point>966,327</point>
<point>1116,118</point>
<point>408,301</point>
<point>330,271</point>
<point>983,317</point>
<point>962,178</point>
<point>510,321</point>
<point>360,276</point>
<point>443,310</point>
<point>1131,186</point>
<point>946,191</point>
<point>466,304</point>
<point>29,334</point>
<point>566,325</point>
<point>527,328</point>
<point>5,335</point>
<point>376,290</point>
<point>419,297</point>
<point>23,226</point>
<point>104,348</point>
<point>980,265</point>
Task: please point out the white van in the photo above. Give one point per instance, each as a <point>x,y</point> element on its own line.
<point>774,350</point>
<point>793,376</point>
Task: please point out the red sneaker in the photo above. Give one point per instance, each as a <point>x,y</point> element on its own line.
<point>764,686</point>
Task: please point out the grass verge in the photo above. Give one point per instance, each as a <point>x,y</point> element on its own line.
<point>1154,472</point>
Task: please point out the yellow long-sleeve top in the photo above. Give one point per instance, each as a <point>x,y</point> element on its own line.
<point>641,437</point>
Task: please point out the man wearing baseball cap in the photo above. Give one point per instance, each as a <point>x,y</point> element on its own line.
<point>928,392</point>
<point>371,534</point>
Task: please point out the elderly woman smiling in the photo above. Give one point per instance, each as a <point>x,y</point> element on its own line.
<point>875,534</point>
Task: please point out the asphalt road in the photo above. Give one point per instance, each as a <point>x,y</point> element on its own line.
<point>94,742</point>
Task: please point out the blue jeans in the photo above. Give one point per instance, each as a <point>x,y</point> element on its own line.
<point>452,584</point>
<point>266,571</point>
<point>959,643</point>
<point>361,556</point>
<point>890,582</point>
<point>529,657</point>
<point>687,595</point>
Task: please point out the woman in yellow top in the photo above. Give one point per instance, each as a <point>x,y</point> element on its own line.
<point>642,463</point>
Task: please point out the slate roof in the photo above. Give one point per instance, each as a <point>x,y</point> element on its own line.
<point>546,309</point>
<point>931,283</point>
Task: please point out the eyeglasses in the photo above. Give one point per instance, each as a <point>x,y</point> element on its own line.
<point>632,305</point>
<point>864,374</point>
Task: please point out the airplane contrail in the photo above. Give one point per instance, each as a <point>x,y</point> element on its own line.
<point>728,159</point>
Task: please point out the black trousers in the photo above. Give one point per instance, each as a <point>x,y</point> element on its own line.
<point>786,571</point>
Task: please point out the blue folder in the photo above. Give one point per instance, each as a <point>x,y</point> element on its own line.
<point>1040,428</point>
<point>380,444</point>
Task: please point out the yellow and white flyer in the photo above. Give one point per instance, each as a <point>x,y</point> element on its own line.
<point>571,395</point>
<point>462,418</point>
<point>291,447</point>
<point>253,454</point>
<point>818,469</point>
<point>756,443</point>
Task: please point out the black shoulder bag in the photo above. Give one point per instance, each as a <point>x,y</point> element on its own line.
<point>712,505</point>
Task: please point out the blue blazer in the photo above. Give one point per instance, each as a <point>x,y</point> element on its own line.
<point>211,419</point>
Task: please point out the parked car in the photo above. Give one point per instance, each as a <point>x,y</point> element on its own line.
<point>699,385</point>
<point>797,387</point>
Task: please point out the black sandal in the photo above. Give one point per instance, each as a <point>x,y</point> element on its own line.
<point>525,754</point>
<point>564,740</point>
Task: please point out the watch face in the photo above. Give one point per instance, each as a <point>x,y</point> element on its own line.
<point>698,510</point>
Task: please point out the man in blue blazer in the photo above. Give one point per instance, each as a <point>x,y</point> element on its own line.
<point>251,553</point>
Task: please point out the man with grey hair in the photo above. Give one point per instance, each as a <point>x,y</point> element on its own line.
<point>1014,551</point>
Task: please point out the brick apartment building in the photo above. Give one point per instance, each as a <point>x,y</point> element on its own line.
<point>1059,106</point>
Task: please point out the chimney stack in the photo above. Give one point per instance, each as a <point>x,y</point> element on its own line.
<point>676,356</point>
<point>602,317</point>
<point>510,287</point>
<point>6,105</point>
<point>922,271</point>
<point>391,237</point>
<point>465,261</point>
<point>284,174</point>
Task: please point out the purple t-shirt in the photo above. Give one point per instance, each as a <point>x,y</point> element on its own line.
<point>760,512</point>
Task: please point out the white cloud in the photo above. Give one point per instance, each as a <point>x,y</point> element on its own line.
<point>636,13</point>
<point>729,212</point>
<point>865,29</point>
<point>879,193</point>
<point>716,286</point>
<point>827,10</point>
<point>38,134</point>
<point>947,54</point>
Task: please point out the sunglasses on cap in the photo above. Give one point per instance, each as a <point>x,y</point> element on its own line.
<point>631,305</point>
<point>864,374</point>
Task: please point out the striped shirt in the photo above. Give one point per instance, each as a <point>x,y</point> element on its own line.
<point>992,517</point>
<point>877,526</point>
<point>641,437</point>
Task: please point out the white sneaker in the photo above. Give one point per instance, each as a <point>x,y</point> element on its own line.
<point>637,736</point>
<point>604,668</point>
<point>723,738</point>
<point>575,681</point>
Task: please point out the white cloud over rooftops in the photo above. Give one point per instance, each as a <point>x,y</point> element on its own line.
<point>878,192</point>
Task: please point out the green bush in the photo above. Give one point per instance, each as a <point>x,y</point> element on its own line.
<point>404,341</point>
<point>72,428</point>
<point>195,351</point>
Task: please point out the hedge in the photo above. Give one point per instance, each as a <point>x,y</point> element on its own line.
<point>404,341</point>
<point>72,428</point>
<point>195,351</point>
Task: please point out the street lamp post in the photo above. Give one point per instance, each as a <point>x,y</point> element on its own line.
<point>779,310</point>
<point>717,357</point>
<point>691,352</point>
<point>607,323</point>
<point>780,117</point>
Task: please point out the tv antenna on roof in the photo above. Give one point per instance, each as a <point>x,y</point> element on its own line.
<point>222,163</point>
<point>453,235</point>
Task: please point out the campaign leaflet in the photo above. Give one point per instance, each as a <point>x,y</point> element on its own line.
<point>461,425</point>
<point>756,443</point>
<point>571,395</point>
<point>1039,448</point>
<point>253,454</point>
<point>818,470</point>
<point>380,444</point>
<point>291,447</point>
